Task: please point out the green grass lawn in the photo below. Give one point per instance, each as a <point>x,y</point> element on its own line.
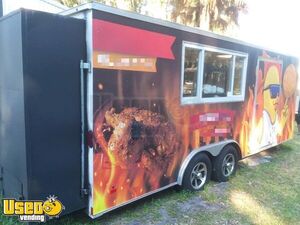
<point>265,194</point>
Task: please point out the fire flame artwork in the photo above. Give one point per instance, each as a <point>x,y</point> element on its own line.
<point>138,150</point>
<point>142,132</point>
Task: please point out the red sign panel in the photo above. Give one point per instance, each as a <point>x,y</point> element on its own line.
<point>116,38</point>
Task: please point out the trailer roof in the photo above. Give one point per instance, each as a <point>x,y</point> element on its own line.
<point>137,16</point>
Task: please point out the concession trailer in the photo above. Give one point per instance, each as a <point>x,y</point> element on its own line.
<point>102,107</point>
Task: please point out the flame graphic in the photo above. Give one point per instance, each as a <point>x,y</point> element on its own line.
<point>114,185</point>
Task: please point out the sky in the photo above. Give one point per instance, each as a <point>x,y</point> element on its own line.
<point>272,24</point>
<point>269,23</point>
<point>10,5</point>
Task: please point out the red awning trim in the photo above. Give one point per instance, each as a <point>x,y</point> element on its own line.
<point>116,38</point>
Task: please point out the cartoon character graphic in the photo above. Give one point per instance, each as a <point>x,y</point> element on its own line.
<point>53,207</point>
<point>277,99</point>
<point>270,123</point>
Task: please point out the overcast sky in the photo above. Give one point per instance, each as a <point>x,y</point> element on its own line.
<point>43,5</point>
<point>274,24</point>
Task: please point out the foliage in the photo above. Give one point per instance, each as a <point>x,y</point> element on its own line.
<point>210,14</point>
<point>132,5</point>
<point>214,15</point>
<point>136,5</point>
<point>70,3</point>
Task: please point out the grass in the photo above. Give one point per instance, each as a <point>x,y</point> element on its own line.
<point>265,194</point>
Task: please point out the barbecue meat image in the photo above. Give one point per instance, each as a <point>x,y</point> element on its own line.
<point>140,136</point>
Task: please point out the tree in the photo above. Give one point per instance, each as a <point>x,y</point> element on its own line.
<point>214,15</point>
<point>133,5</point>
<point>136,5</point>
<point>70,3</point>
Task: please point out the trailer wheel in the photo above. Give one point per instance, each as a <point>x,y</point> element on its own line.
<point>197,173</point>
<point>225,164</point>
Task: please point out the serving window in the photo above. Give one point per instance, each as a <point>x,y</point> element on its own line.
<point>212,75</point>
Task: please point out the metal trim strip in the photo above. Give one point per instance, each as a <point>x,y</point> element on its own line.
<point>217,146</point>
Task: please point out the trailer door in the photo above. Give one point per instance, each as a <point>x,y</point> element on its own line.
<point>133,142</point>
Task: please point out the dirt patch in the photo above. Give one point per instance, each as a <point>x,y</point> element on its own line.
<point>259,158</point>
<point>219,189</point>
<point>196,204</point>
<point>256,160</point>
<point>174,212</point>
<point>135,222</point>
<point>227,222</point>
<point>166,218</point>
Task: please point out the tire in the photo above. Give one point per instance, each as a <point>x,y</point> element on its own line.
<point>225,164</point>
<point>197,173</point>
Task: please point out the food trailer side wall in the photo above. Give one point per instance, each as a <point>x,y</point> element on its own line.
<point>161,93</point>
<point>40,141</point>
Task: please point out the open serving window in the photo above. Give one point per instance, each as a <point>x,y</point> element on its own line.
<point>211,75</point>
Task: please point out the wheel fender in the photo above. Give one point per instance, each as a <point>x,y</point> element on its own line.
<point>213,149</point>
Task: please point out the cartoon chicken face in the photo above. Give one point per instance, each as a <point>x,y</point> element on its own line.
<point>271,92</point>
<point>52,207</point>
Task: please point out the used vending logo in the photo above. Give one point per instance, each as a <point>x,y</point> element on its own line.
<point>33,211</point>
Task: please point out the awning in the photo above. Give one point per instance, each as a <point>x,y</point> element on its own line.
<point>116,38</point>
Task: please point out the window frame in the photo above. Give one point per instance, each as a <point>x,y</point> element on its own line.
<point>199,99</point>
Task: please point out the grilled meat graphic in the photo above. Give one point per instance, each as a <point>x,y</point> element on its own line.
<point>140,136</point>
